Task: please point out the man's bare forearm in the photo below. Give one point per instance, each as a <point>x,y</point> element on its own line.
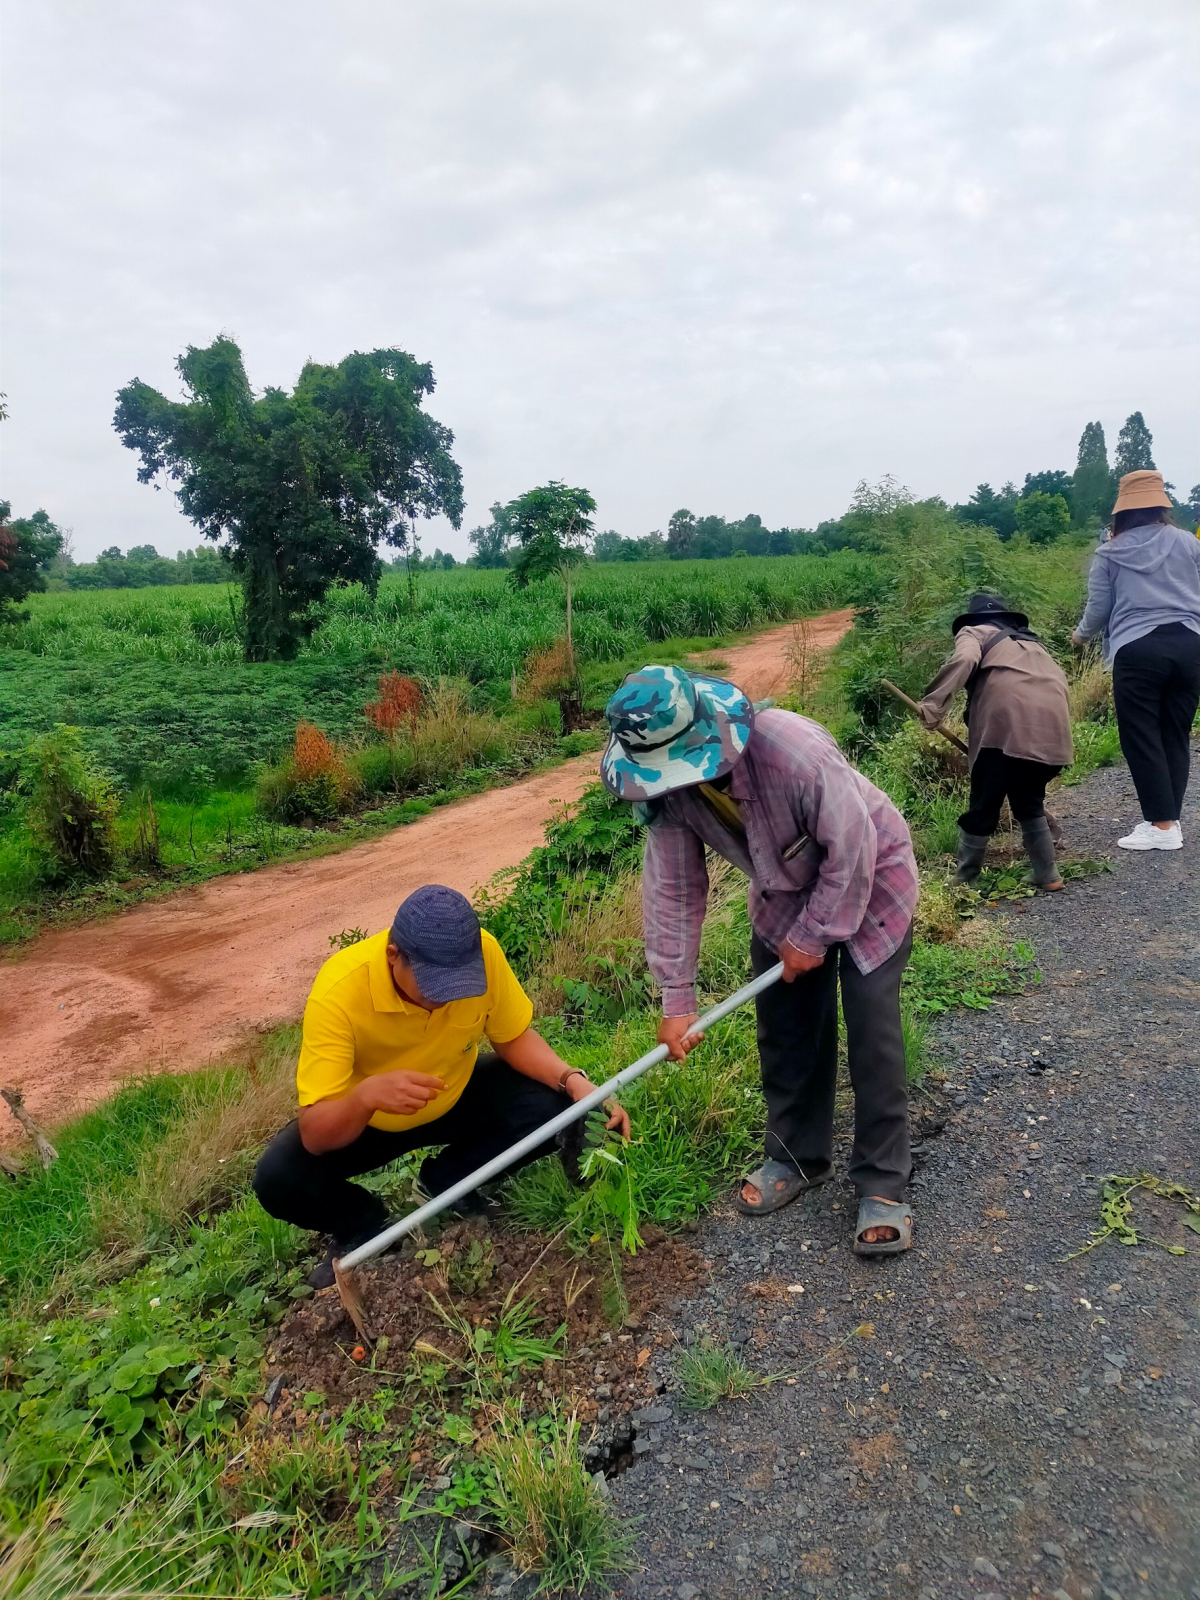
<point>333,1124</point>
<point>530,1055</point>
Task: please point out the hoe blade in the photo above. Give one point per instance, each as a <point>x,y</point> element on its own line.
<point>351,1295</point>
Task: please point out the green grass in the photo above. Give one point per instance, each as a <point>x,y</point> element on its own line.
<point>709,1373</point>
<point>47,1219</point>
<point>466,623</point>
<point>940,977</point>
<point>556,1523</point>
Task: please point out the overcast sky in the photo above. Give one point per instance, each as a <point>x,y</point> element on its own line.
<point>731,256</point>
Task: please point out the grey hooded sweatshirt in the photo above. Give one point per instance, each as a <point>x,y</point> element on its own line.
<point>1148,575</point>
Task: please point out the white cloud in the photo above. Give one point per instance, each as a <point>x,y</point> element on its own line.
<point>735,255</point>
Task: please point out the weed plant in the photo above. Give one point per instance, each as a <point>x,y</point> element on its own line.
<point>707,1373</point>
<point>556,1522</point>
<point>72,806</point>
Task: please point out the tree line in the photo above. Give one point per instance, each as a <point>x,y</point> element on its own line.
<point>299,491</point>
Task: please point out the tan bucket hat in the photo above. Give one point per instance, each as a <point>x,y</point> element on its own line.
<point>1137,490</point>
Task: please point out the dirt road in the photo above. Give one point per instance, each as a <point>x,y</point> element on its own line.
<point>173,984</point>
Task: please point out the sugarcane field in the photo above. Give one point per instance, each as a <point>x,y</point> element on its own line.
<point>552,1045</point>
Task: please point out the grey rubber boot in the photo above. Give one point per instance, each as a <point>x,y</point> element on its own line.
<point>972,848</point>
<point>1039,847</point>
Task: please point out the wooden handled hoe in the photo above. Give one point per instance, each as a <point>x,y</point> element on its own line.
<point>913,706</point>
<point>348,1285</point>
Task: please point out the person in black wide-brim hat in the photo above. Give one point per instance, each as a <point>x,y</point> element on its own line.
<point>1019,726</point>
<point>988,608</point>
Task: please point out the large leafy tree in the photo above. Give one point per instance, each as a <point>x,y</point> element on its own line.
<point>1135,445</point>
<point>302,487</point>
<point>1042,517</point>
<point>991,509</point>
<point>1091,484</point>
<point>27,547</point>
<point>553,525</point>
<point>1055,482</point>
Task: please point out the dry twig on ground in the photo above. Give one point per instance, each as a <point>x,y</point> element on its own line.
<point>15,1101</point>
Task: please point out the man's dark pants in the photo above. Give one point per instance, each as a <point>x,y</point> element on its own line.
<point>995,778</point>
<point>497,1107</point>
<point>1156,688</point>
<point>797,1047</point>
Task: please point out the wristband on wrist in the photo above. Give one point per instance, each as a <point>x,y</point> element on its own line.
<point>569,1073</point>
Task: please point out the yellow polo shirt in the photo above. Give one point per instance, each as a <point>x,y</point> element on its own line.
<point>356,1024</point>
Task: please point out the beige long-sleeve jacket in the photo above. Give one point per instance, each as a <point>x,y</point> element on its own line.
<point>1020,704</point>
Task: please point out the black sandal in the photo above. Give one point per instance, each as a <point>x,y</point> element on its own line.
<point>778,1184</point>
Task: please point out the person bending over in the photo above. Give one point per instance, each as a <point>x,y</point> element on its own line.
<point>1019,722</point>
<point>391,1062</point>
<point>833,885</point>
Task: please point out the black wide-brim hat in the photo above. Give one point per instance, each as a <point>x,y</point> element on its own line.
<point>988,608</point>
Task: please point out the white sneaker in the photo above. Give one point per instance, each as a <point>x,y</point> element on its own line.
<point>1147,837</point>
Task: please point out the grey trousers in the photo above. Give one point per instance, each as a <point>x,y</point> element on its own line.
<point>797,1049</point>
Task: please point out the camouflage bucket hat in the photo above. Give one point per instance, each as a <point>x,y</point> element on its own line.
<point>670,729</point>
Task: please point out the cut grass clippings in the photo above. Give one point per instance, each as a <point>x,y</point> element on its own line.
<point>1116,1212</point>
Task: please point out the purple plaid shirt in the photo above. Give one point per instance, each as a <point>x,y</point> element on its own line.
<point>854,882</point>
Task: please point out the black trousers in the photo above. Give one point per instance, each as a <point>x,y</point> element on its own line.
<point>497,1107</point>
<point>995,778</point>
<point>1156,689</point>
<point>797,1050</point>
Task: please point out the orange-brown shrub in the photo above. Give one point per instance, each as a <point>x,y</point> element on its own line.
<point>313,752</point>
<point>398,704</point>
<point>548,672</point>
<point>553,674</point>
<point>313,782</point>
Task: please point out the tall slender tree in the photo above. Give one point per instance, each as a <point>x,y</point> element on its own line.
<point>1091,483</point>
<point>681,535</point>
<point>301,486</point>
<point>1135,444</point>
<point>553,525</point>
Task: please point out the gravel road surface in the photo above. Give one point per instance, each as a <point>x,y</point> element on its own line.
<point>1016,1424</point>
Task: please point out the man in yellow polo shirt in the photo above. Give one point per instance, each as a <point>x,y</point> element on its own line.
<point>390,1062</point>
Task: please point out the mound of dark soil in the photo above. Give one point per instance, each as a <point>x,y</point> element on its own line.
<point>423,1308</point>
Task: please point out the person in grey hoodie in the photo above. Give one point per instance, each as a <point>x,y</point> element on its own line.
<point>1144,597</point>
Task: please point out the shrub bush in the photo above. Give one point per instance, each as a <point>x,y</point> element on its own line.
<point>312,784</point>
<point>451,736</point>
<point>397,706</point>
<point>72,806</point>
<point>553,674</point>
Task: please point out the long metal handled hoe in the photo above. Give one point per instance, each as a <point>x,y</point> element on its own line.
<point>348,1286</point>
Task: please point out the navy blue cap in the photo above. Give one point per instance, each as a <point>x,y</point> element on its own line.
<point>438,932</point>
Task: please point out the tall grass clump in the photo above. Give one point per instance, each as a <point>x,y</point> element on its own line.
<point>554,1521</point>
<point>222,1121</point>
